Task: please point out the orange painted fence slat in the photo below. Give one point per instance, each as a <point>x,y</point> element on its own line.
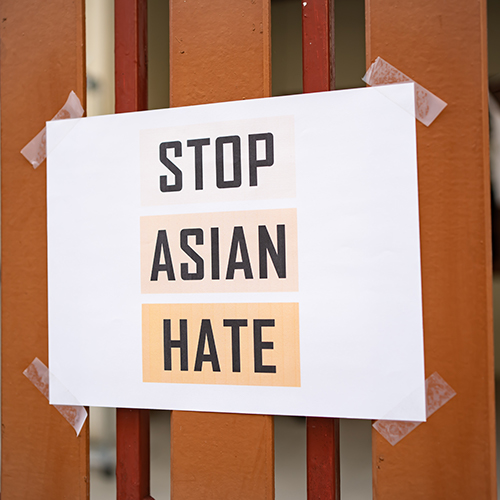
<point>42,59</point>
<point>220,51</point>
<point>131,94</point>
<point>443,48</point>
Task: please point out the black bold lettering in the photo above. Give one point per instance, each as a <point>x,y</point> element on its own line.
<point>219,161</point>
<point>259,345</point>
<point>200,269</point>
<point>214,236</point>
<point>162,248</point>
<point>181,344</point>
<point>206,335</point>
<point>235,325</point>
<point>239,242</point>
<point>198,144</point>
<point>266,246</point>
<point>177,147</point>
<point>252,154</point>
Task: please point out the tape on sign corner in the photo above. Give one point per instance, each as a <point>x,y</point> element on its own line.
<point>437,394</point>
<point>39,375</point>
<point>36,150</point>
<point>427,105</point>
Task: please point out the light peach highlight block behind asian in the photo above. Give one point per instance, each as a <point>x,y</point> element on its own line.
<point>226,222</point>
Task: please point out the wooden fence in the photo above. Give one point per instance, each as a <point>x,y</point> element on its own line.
<point>218,54</point>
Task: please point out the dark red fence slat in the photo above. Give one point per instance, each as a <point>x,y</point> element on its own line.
<point>131,78</point>
<point>318,68</point>
<point>132,454</point>
<point>323,457</point>
<point>132,426</point>
<point>323,460</point>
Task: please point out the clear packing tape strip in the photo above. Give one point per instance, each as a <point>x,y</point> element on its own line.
<point>438,393</point>
<point>36,150</point>
<point>39,374</point>
<point>427,105</point>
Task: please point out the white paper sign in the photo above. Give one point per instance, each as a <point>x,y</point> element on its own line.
<point>253,257</point>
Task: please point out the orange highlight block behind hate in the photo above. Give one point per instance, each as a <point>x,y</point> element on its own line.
<point>232,344</point>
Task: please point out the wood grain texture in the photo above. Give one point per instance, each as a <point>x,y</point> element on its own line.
<point>42,59</point>
<point>220,51</point>
<point>220,456</point>
<point>444,49</point>
<point>131,94</point>
<point>132,454</point>
<point>131,56</point>
<point>323,458</point>
<point>318,75</point>
<point>318,67</point>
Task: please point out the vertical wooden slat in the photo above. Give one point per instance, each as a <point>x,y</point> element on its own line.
<point>132,426</point>
<point>323,459</point>
<point>318,67</point>
<point>221,456</point>
<point>131,47</point>
<point>42,59</point>
<point>132,454</point>
<point>220,51</point>
<point>323,447</point>
<point>452,455</point>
